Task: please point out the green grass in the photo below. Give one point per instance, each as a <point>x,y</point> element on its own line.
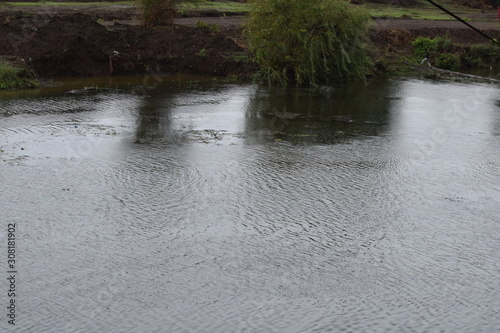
<point>52,3</point>
<point>238,56</point>
<point>15,78</point>
<point>425,11</point>
<point>228,6</point>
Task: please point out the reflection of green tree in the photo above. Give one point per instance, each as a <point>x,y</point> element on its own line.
<point>153,123</point>
<point>321,115</point>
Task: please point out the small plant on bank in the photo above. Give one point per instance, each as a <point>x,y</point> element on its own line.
<point>201,25</point>
<point>202,54</point>
<point>308,41</point>
<point>214,28</point>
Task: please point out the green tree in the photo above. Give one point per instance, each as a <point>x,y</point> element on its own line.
<point>308,41</point>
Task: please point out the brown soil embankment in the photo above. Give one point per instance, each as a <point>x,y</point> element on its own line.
<point>77,45</point>
<point>95,40</point>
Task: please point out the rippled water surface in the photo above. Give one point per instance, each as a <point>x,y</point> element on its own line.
<point>209,207</point>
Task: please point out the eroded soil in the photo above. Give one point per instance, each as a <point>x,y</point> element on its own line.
<point>96,40</point>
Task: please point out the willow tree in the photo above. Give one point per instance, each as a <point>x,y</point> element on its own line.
<point>308,41</point>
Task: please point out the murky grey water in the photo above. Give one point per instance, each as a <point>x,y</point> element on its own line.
<point>209,207</point>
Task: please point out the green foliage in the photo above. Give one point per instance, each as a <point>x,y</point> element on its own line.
<point>452,56</point>
<point>444,44</point>
<point>481,55</point>
<point>447,61</point>
<point>202,54</point>
<point>487,52</point>
<point>223,7</point>
<point>202,25</point>
<point>214,28</point>
<point>237,56</point>
<point>422,45</point>
<point>308,41</point>
<point>15,78</point>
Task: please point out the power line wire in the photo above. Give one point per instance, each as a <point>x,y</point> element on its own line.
<point>461,20</point>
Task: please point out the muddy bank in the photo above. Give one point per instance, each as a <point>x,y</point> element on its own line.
<point>52,41</point>
<point>77,45</point>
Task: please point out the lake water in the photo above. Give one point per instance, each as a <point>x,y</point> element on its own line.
<point>198,206</point>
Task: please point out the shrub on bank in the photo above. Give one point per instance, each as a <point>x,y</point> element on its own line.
<point>447,61</point>
<point>452,56</point>
<point>423,45</point>
<point>481,55</point>
<point>308,41</point>
<point>15,78</point>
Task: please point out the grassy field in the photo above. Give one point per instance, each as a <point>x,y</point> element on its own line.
<point>223,6</point>
<point>425,11</point>
<point>53,3</point>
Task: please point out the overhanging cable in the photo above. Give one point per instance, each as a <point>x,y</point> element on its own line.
<point>461,20</point>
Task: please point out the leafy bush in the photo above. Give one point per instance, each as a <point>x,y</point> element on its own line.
<point>308,41</point>
<point>452,56</point>
<point>447,61</point>
<point>422,45</point>
<point>444,44</point>
<point>481,55</point>
<point>15,78</point>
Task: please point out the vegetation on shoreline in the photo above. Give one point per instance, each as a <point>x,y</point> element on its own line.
<point>12,77</point>
<point>424,11</point>
<point>308,42</point>
<point>444,54</point>
<point>452,56</point>
<point>303,48</point>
